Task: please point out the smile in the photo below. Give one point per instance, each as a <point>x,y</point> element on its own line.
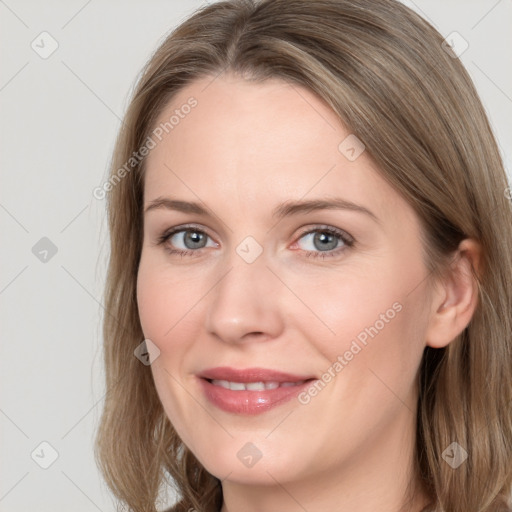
<point>254,386</point>
<point>250,391</point>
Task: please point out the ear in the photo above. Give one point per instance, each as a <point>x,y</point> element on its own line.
<point>455,297</point>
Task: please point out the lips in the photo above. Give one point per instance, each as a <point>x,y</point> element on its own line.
<point>251,375</point>
<point>253,386</point>
<point>250,390</point>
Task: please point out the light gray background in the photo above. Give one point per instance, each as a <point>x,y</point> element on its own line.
<point>59,117</point>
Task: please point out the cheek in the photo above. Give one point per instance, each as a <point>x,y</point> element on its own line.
<point>343,306</point>
<point>163,300</point>
<point>165,303</point>
<point>152,301</point>
<point>367,321</point>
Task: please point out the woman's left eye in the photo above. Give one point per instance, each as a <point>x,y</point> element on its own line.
<point>325,241</point>
<point>318,242</point>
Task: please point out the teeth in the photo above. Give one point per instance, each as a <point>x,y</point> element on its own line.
<point>253,386</point>
<point>256,386</point>
<point>221,383</point>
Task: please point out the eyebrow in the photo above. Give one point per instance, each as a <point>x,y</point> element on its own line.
<point>285,209</point>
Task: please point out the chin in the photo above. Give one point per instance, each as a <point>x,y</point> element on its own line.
<point>245,462</point>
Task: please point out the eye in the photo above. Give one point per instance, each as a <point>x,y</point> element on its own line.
<point>322,241</point>
<point>185,240</point>
<point>325,241</point>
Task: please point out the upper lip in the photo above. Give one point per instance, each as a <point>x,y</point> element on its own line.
<point>250,375</point>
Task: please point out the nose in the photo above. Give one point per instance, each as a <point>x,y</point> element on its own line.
<point>245,304</point>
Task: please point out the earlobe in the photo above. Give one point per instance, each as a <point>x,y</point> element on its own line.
<point>456,297</point>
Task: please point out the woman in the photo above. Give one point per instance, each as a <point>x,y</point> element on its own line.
<point>309,293</point>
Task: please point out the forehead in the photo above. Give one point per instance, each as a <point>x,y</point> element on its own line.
<point>258,121</point>
<point>256,142</point>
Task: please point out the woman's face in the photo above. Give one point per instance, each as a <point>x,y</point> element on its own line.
<point>274,279</point>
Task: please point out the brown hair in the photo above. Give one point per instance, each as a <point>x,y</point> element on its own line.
<point>383,70</point>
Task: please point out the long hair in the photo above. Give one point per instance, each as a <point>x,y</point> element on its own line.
<point>387,75</point>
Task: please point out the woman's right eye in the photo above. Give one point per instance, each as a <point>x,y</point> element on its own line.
<point>185,240</point>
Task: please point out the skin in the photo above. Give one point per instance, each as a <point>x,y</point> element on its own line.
<point>245,148</point>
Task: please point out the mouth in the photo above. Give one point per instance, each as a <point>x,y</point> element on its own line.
<point>254,386</point>
<point>252,390</point>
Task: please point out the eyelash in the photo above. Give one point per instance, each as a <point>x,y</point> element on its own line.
<point>344,237</point>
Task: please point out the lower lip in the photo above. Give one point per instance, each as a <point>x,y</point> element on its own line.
<point>250,402</point>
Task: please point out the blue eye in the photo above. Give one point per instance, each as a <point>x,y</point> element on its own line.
<point>190,237</point>
<point>325,241</point>
<point>319,242</point>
